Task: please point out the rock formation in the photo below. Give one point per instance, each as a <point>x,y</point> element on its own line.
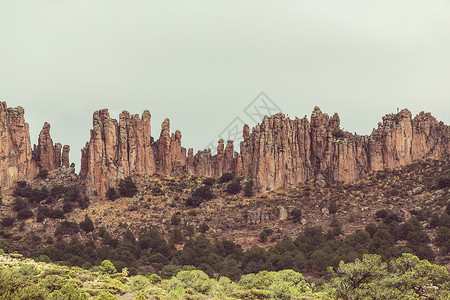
<point>279,152</point>
<point>48,155</point>
<point>17,160</point>
<point>118,149</point>
<point>15,147</point>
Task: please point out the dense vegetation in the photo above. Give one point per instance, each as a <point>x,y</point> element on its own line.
<point>404,278</point>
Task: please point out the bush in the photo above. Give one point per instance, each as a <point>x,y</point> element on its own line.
<point>296,215</point>
<point>8,222</point>
<point>264,234</point>
<point>127,187</point>
<point>209,181</point>
<point>56,214</point>
<point>381,214</point>
<point>194,201</point>
<point>444,182</point>
<point>67,207</point>
<point>170,270</point>
<point>248,189</point>
<point>42,174</point>
<point>176,236</point>
<point>24,214</point>
<point>107,267</point>
<point>204,193</point>
<point>203,228</point>
<point>67,227</point>
<point>4,245</point>
<point>87,225</point>
<point>332,208</point>
<point>226,177</point>
<point>19,203</point>
<point>112,194</point>
<point>234,188</point>
<point>175,220</point>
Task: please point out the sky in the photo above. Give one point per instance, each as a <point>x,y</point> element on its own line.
<point>210,66</point>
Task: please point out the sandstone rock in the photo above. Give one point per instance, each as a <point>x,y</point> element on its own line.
<point>279,152</point>
<point>283,215</point>
<point>16,161</point>
<point>116,150</point>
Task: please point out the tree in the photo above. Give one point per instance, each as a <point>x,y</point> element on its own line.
<point>107,267</point>
<point>406,277</point>
<point>170,270</point>
<point>127,187</point>
<point>87,225</point>
<point>332,208</point>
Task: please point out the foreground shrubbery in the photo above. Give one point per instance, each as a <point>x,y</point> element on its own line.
<point>404,278</point>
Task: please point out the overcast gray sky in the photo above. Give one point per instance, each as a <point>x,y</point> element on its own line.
<point>201,62</point>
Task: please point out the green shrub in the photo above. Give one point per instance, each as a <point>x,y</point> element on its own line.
<point>14,285</point>
<point>203,227</point>
<point>137,283</point>
<point>203,192</point>
<point>194,201</point>
<point>87,225</point>
<point>248,189</point>
<point>175,220</point>
<point>170,270</point>
<point>42,174</point>
<point>444,182</point>
<point>24,214</point>
<point>19,203</point>
<point>107,267</point>
<point>127,187</point>
<point>332,208</point>
<point>68,292</point>
<point>234,188</point>
<point>381,214</point>
<point>4,245</point>
<point>8,222</point>
<point>296,215</point>
<point>226,177</point>
<point>112,194</point>
<point>209,181</point>
<point>153,278</point>
<point>105,296</point>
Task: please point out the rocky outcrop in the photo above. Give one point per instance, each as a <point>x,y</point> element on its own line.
<point>15,147</point>
<point>48,155</point>
<point>279,152</point>
<point>117,149</point>
<point>17,159</point>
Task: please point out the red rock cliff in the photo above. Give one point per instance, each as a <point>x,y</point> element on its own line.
<point>15,147</point>
<point>17,160</point>
<point>279,152</point>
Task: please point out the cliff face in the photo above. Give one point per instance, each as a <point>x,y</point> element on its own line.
<point>15,147</point>
<point>47,155</point>
<point>117,149</point>
<point>279,152</point>
<point>17,160</point>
